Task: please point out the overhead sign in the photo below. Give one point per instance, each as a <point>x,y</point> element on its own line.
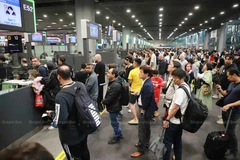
<point>29,15</point>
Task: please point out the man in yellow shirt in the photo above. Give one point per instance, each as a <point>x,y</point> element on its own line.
<point>136,85</point>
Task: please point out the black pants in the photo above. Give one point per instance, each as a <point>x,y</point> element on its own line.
<point>233,144</point>
<point>78,151</point>
<point>100,98</point>
<point>144,133</point>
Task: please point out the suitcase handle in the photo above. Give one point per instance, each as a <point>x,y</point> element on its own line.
<point>229,117</point>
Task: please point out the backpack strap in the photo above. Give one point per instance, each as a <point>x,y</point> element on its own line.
<point>186,91</point>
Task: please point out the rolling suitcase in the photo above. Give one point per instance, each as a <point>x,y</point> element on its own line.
<point>216,143</point>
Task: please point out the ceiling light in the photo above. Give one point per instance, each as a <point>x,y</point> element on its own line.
<point>98,12</point>
<point>161,9</point>
<point>190,30</point>
<point>141,26</point>
<point>73,27</point>
<point>107,17</point>
<point>196,7</point>
<point>106,27</point>
<point>54,23</point>
<point>45,28</point>
<point>45,16</point>
<point>136,20</point>
<point>139,23</point>
<point>128,10</point>
<point>119,24</point>
<point>235,5</point>
<point>193,28</point>
<point>49,26</point>
<point>56,14</point>
<point>180,25</point>
<point>65,25</point>
<point>133,16</point>
<point>222,13</point>
<point>210,28</point>
<point>230,20</point>
<point>160,25</point>
<point>131,30</point>
<point>160,15</point>
<point>222,24</point>
<point>73,23</point>
<point>160,19</point>
<point>190,14</point>
<point>60,20</point>
<point>39,20</point>
<point>185,19</point>
<point>123,26</point>
<point>70,14</point>
<point>213,18</point>
<point>200,24</point>
<point>182,22</point>
<point>36,24</point>
<point>206,21</point>
<point>114,21</point>
<point>59,28</point>
<point>160,22</point>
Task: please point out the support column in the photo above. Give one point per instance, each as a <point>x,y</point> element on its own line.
<point>126,31</point>
<point>222,38</point>
<point>206,40</point>
<point>84,9</point>
<point>197,40</point>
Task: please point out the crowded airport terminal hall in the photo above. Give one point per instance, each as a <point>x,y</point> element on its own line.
<point>119,79</point>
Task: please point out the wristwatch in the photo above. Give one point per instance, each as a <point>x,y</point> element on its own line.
<point>167,120</point>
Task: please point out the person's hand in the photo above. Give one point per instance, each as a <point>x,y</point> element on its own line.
<point>218,87</point>
<point>142,111</point>
<point>225,108</point>
<point>165,124</point>
<point>137,93</point>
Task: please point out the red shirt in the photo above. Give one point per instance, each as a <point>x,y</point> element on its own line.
<point>157,83</point>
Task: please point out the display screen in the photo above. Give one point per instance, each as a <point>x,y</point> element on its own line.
<point>37,37</point>
<point>93,30</point>
<point>73,39</point>
<point>10,13</point>
<point>15,44</point>
<point>118,36</point>
<point>110,29</point>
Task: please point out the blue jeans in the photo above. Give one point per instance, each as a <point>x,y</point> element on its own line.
<point>115,124</point>
<point>173,135</point>
<point>233,144</point>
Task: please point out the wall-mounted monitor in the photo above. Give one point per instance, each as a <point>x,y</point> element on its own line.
<point>94,30</point>
<point>90,30</point>
<point>37,37</point>
<point>15,44</point>
<point>110,29</point>
<point>73,39</point>
<point>116,36</point>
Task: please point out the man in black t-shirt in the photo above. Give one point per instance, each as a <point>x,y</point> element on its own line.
<point>81,75</point>
<point>100,71</point>
<point>128,68</point>
<point>74,142</point>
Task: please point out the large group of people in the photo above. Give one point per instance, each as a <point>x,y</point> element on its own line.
<point>207,74</point>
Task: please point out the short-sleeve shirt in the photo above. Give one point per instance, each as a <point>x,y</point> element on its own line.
<point>100,70</point>
<point>154,61</point>
<point>136,81</point>
<point>181,99</point>
<point>234,89</point>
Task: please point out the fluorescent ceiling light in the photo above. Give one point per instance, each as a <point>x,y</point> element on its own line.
<point>119,24</point>
<point>49,26</point>
<point>128,10</point>
<point>114,21</point>
<point>182,22</point>
<point>60,20</point>
<point>73,23</point>
<point>210,28</point>
<point>222,13</point>
<point>65,25</point>
<point>235,5</point>
<point>161,9</point>
<point>133,16</point>
<point>106,27</point>
<point>160,15</point>
<point>123,26</point>
<point>222,24</point>
<point>98,12</point>
<point>190,14</point>
<point>190,30</point>
<point>160,25</point>
<point>141,26</point>
<point>230,20</point>
<point>160,19</point>
<point>54,23</point>
<point>59,28</point>
<point>206,21</point>
<point>185,19</point>
<point>139,23</point>
<point>136,20</point>
<point>200,24</point>
<point>131,30</point>
<point>45,16</point>
<point>193,28</point>
<point>39,20</point>
<point>70,14</point>
<point>107,17</point>
<point>213,18</point>
<point>196,7</point>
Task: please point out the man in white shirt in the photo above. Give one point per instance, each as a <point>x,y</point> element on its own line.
<point>153,63</point>
<point>173,134</point>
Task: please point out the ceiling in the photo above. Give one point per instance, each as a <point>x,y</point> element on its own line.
<point>146,11</point>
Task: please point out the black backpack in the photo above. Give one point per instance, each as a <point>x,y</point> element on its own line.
<point>124,100</point>
<point>195,114</point>
<point>88,117</point>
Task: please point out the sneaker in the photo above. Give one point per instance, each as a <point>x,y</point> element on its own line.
<point>129,111</point>
<point>219,116</point>
<point>215,96</point>
<point>51,128</point>
<point>114,141</point>
<point>220,121</point>
<point>133,122</point>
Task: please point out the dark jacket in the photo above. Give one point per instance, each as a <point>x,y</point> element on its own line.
<point>237,62</point>
<point>224,82</point>
<point>162,68</point>
<point>148,101</point>
<point>113,96</point>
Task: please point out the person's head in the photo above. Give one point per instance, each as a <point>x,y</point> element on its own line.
<point>2,59</point>
<point>155,73</point>
<point>208,66</point>
<point>27,151</point>
<point>89,68</point>
<point>98,58</point>
<point>137,63</point>
<point>151,51</point>
<point>61,60</point>
<point>112,74</point>
<point>160,57</point>
<point>174,65</point>
<point>233,75</point>
<point>32,74</point>
<point>128,60</point>
<point>35,61</point>
<point>237,55</point>
<point>130,54</point>
<point>178,76</point>
<point>145,72</point>
<point>83,66</point>
<point>228,59</point>
<point>220,61</point>
<point>182,57</point>
<point>188,67</point>
<point>64,73</point>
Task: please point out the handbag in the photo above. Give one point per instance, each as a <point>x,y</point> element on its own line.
<point>197,83</point>
<point>158,147</point>
<point>206,89</point>
<point>39,100</point>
